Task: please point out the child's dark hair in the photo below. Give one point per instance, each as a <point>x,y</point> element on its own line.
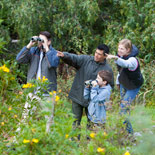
<point>46,33</point>
<point>105,75</point>
<point>103,48</point>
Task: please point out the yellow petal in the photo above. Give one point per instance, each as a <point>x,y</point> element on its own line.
<point>99,149</point>
<point>15,116</point>
<point>127,153</point>
<point>66,136</point>
<point>26,141</point>
<point>92,135</point>
<point>105,134</point>
<point>10,108</point>
<point>35,140</point>
<point>57,98</point>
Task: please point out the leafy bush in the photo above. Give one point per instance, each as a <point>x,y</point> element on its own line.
<point>80,26</point>
<point>32,137</point>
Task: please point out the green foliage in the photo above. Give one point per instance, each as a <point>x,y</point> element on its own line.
<point>77,26</point>
<point>80,26</point>
<point>33,138</point>
<point>147,90</point>
<point>133,20</point>
<point>143,121</point>
<point>2,32</point>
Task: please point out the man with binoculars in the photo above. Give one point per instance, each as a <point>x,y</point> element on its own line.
<point>43,59</point>
<point>43,62</point>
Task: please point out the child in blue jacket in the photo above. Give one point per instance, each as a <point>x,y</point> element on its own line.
<point>98,92</point>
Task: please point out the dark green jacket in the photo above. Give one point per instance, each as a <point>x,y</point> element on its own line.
<point>87,69</point>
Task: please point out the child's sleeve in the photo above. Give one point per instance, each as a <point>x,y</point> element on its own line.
<point>98,97</point>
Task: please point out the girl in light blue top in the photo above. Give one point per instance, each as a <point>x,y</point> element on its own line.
<point>97,93</point>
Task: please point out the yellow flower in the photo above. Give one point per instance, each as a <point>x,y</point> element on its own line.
<point>105,134</point>
<point>127,153</point>
<point>66,136</point>
<point>57,98</point>
<point>15,116</point>
<point>28,85</point>
<point>92,135</point>
<point>35,140</point>
<point>10,108</point>
<point>59,91</point>
<point>99,149</point>
<point>4,68</point>
<point>52,93</point>
<point>2,123</point>
<point>39,78</point>
<point>44,79</point>
<point>26,141</point>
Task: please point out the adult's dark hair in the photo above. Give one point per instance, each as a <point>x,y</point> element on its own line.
<point>105,75</point>
<point>46,33</point>
<point>103,48</point>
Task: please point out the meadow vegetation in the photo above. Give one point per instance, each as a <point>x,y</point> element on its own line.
<point>76,26</point>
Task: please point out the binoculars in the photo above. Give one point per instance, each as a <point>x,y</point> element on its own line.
<point>88,83</point>
<point>35,39</point>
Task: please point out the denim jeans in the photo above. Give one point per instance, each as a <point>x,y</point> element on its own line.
<point>127,96</point>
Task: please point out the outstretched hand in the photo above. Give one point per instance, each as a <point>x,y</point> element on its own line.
<point>109,56</point>
<point>60,54</point>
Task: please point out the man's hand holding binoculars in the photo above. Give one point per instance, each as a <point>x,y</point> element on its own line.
<point>33,40</point>
<point>43,42</point>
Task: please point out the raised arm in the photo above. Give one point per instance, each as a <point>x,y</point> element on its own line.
<point>72,59</point>
<point>98,97</point>
<point>130,63</point>
<point>24,55</point>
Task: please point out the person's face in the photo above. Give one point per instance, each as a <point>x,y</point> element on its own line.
<point>100,81</point>
<point>46,41</point>
<point>99,56</point>
<point>122,51</point>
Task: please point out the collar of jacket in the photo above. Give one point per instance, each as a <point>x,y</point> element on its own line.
<point>37,50</point>
<point>100,63</point>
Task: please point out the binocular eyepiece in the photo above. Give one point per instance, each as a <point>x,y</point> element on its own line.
<point>35,39</point>
<point>88,83</point>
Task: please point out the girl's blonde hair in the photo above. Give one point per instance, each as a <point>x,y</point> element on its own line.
<point>126,43</point>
